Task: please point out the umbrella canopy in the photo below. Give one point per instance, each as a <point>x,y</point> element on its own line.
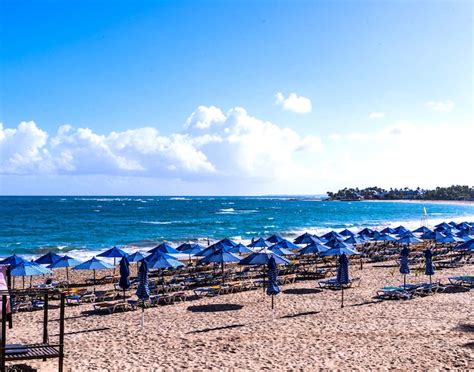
<point>285,244</point>
<point>463,226</point>
<point>213,248</point>
<point>382,237</point>
<point>228,242</point>
<point>336,243</point>
<point>443,225</point>
<point>464,237</point>
<point>439,237</point>
<point>388,230</point>
<point>339,250</point>
<point>48,258</point>
<point>443,228</point>
<point>422,230</point>
<point>366,232</point>
<point>190,248</point>
<point>164,248</point>
<point>240,248</point>
<point>272,288</point>
<point>135,257</point>
<point>451,239</point>
<point>143,290</point>
<point>346,233</point>
<point>158,260</point>
<point>64,261</point>
<point>221,256</point>
<point>429,268</point>
<point>262,257</point>
<point>354,240</point>
<point>343,270</point>
<point>429,235</point>
<point>408,239</point>
<point>280,251</point>
<point>124,281</point>
<point>27,268</point>
<point>469,245</point>
<point>306,238</point>
<point>275,238</point>
<point>259,243</point>
<point>404,267</point>
<point>314,248</point>
<point>12,260</point>
<point>93,264</point>
<point>332,235</point>
<point>400,230</point>
<point>113,252</point>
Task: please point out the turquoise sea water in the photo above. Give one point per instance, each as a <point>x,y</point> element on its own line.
<point>31,225</point>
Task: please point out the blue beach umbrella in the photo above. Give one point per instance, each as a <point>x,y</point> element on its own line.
<point>190,248</point>
<point>124,281</point>
<point>164,248</point>
<point>93,264</point>
<point>388,230</point>
<point>382,237</point>
<point>400,230</point>
<point>451,239</point>
<point>272,289</point>
<point>404,267</point>
<point>135,257</point>
<point>114,253</point>
<point>12,260</point>
<point>463,226</point>
<point>429,235</point>
<point>306,238</point>
<point>48,258</point>
<point>240,248</point>
<point>468,245</point>
<point>366,232</point>
<point>346,233</point>
<point>285,244</point>
<point>334,243</point>
<point>214,248</point>
<point>228,242</point>
<point>27,268</point>
<point>429,268</point>
<point>332,235</point>
<point>259,243</point>
<point>160,260</point>
<point>280,251</point>
<point>339,250</point>
<point>343,275</point>
<point>64,262</point>
<point>439,237</point>
<point>354,240</point>
<point>275,238</point>
<point>422,230</point>
<point>314,248</point>
<point>408,239</point>
<point>143,290</point>
<point>221,256</point>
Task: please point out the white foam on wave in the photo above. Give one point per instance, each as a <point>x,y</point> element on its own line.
<point>160,222</point>
<point>179,198</point>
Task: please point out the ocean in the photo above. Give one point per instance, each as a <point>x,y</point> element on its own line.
<point>84,225</point>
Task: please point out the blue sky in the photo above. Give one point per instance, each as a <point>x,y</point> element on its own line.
<point>370,69</point>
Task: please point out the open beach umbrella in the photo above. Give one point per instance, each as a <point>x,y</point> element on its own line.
<point>48,258</point>
<point>214,248</point>
<point>429,235</point>
<point>463,226</point>
<point>451,239</point>
<point>382,237</point>
<point>314,248</point>
<point>275,238</point>
<point>388,230</point>
<point>27,268</point>
<point>285,244</point>
<point>162,261</point>
<point>346,233</point>
<point>400,230</point>
<point>306,238</point>
<point>336,243</point>
<point>143,290</point>
<point>366,232</point>
<point>408,239</point>
<point>429,268</point>
<point>464,237</point>
<point>340,249</point>
<point>404,267</point>
<point>240,248</point>
<point>190,248</point>
<point>12,260</point>
<point>280,251</point>
<point>272,289</point>
<point>124,281</point>
<point>135,257</point>
<point>354,240</point>
<point>342,277</point>
<point>443,225</point>
<point>66,262</point>
<point>221,256</point>
<point>164,248</point>
<point>259,243</point>
<point>469,245</point>
<point>228,242</point>
<point>331,235</point>
<point>439,237</point>
<point>93,264</point>
<point>113,252</point>
<point>422,230</point>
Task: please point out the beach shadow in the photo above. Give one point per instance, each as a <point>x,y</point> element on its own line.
<point>469,345</point>
<point>298,291</point>
<point>300,314</point>
<point>455,289</point>
<point>214,308</point>
<point>85,331</point>
<point>216,328</point>
<point>469,328</point>
<point>366,303</point>
<point>21,368</point>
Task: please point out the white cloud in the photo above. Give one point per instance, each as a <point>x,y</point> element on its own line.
<point>376,115</point>
<point>293,102</point>
<point>441,106</point>
<point>213,144</point>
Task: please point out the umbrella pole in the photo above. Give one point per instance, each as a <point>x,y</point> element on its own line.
<point>114,266</point>
<point>361,262</point>
<point>142,321</point>
<point>31,281</point>
<point>23,282</point>
<point>13,283</point>
<point>67,275</point>
<point>222,269</point>
<point>94,280</point>
<point>430,279</point>
<point>404,281</point>
<point>342,296</point>
<point>264,279</point>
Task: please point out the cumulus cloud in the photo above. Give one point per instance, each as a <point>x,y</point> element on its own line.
<point>441,106</point>
<point>376,115</point>
<point>212,144</point>
<point>293,102</point>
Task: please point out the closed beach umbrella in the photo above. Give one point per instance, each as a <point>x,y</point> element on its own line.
<point>93,264</point>
<point>404,267</point>
<point>259,243</point>
<point>221,256</point>
<point>124,281</point>
<point>275,238</point>
<point>429,268</point>
<point>66,262</point>
<point>143,290</point>
<point>48,258</point>
<point>343,275</point>
<point>285,244</point>
<point>272,289</point>
<point>164,248</point>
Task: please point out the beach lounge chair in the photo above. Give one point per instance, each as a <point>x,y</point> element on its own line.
<point>462,281</point>
<point>205,291</point>
<point>393,293</point>
<point>425,289</point>
<point>111,307</point>
<point>334,285</point>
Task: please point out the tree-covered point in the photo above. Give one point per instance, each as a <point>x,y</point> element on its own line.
<point>455,192</point>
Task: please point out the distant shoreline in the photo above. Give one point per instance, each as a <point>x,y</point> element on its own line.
<point>414,201</point>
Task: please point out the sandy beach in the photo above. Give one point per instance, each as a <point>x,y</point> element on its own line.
<point>237,331</point>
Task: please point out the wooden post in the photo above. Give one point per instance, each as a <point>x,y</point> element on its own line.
<point>61,333</point>
<point>45,319</point>
<point>4,332</point>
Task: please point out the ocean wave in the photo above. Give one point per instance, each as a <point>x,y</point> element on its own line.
<point>161,222</point>
<point>234,211</point>
<point>179,198</point>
